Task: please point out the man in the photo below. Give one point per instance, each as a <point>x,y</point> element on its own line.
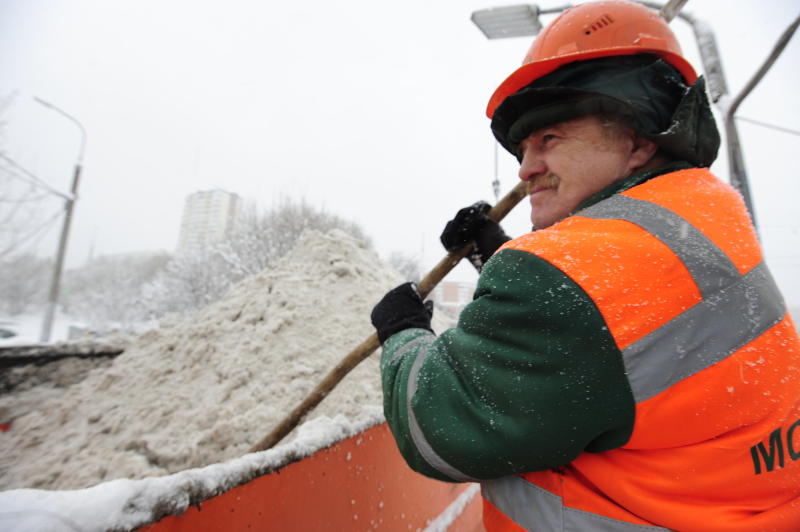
<point>629,364</point>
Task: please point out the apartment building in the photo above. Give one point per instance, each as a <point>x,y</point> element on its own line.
<point>208,216</point>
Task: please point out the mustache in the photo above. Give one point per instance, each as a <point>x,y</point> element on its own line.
<point>548,180</point>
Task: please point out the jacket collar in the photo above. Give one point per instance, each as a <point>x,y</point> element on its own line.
<point>630,182</point>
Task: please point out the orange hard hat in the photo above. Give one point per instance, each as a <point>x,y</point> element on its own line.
<point>589,31</point>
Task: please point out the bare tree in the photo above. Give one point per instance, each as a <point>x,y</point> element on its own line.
<point>23,278</point>
<point>108,291</point>
<point>407,265</point>
<point>197,279</point>
<point>260,238</point>
<point>189,281</point>
<point>28,205</point>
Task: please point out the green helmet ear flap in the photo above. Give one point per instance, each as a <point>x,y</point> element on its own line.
<point>643,91</point>
<point>562,105</point>
<point>692,135</point>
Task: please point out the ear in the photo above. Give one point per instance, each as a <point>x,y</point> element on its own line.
<point>642,152</point>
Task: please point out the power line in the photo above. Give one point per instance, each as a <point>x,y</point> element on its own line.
<point>771,126</point>
<point>32,177</point>
<point>26,199</point>
<point>31,195</point>
<point>14,245</point>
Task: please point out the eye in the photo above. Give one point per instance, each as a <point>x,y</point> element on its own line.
<point>548,138</point>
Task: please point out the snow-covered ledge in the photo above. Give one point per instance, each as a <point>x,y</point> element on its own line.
<point>123,504</point>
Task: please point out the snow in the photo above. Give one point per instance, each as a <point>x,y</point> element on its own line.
<point>204,389</point>
<point>126,504</point>
<point>455,509</point>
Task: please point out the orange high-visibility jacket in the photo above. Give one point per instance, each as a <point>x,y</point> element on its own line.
<point>712,357</point>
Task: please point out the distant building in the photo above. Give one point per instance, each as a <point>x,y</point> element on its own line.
<point>208,216</point>
<point>453,296</point>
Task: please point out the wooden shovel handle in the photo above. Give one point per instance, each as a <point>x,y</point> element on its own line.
<point>369,345</point>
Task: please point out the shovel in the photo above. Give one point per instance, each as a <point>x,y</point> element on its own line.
<point>370,344</point>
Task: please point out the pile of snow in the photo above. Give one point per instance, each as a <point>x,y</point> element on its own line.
<point>204,389</point>
<point>126,504</point>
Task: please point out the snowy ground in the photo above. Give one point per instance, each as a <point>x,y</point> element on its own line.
<point>28,328</point>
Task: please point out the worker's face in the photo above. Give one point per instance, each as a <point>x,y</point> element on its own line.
<point>568,162</point>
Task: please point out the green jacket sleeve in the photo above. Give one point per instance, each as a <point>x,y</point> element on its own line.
<point>528,379</point>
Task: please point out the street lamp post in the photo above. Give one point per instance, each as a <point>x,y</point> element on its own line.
<point>69,207</point>
<point>735,161</point>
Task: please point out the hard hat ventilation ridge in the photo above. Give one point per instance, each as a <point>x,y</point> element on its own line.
<point>590,31</point>
<point>600,23</point>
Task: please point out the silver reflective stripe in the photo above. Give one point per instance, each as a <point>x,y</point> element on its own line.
<point>409,346</point>
<point>709,266</point>
<point>536,509</point>
<point>424,448</point>
<point>704,334</point>
<point>735,310</point>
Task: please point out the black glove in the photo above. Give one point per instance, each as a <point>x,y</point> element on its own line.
<point>472,224</point>
<point>400,309</point>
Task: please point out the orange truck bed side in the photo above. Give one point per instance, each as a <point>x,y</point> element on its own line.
<point>360,483</point>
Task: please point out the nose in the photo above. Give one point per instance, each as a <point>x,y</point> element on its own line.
<point>532,165</point>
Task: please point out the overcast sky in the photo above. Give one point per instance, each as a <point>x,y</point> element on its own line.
<point>373,110</point>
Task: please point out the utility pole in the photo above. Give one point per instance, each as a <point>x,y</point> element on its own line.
<point>69,207</point>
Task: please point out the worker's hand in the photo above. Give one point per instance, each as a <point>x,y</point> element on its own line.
<point>471,224</point>
<point>401,308</point>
